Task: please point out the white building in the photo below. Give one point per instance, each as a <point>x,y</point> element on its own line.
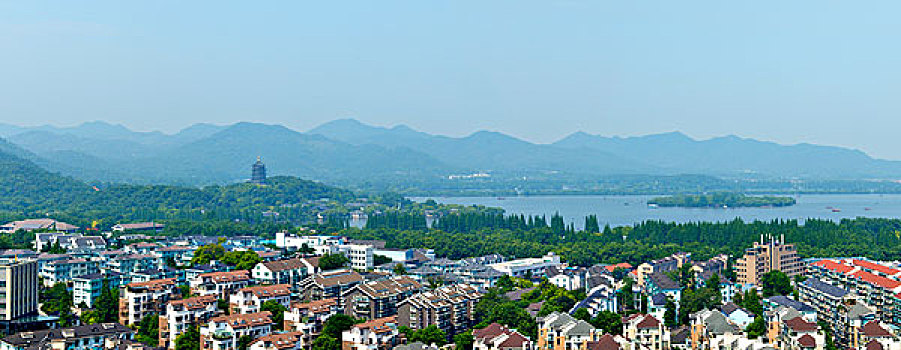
<point>180,315</point>
<point>221,284</point>
<point>64,270</point>
<point>223,332</point>
<point>535,267</point>
<point>250,299</point>
<point>279,341</point>
<point>372,335</point>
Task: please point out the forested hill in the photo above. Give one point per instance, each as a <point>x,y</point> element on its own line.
<point>27,190</point>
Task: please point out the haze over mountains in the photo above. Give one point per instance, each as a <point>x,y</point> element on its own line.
<point>349,152</point>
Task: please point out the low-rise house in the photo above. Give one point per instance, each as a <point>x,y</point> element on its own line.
<point>221,284</point>
<point>376,334</point>
<point>138,227</point>
<point>876,336</point>
<point>567,278</point>
<point>37,224</point>
<point>379,298</point>
<point>498,337</point>
<point>86,337</point>
<point>81,243</point>
<point>179,315</point>
<point>560,331</point>
<point>223,332</point>
<point>158,274</point>
<point>737,315</point>
<point>798,333</point>
<point>601,298</point>
<point>131,263</point>
<point>250,299</point>
<point>62,271</point>
<point>646,331</point>
<point>178,254</point>
<point>711,327</point>
<point>87,288</point>
<point>142,247</point>
<point>329,284</point>
<point>308,318</point>
<point>279,341</point>
<point>140,299</point>
<point>288,271</point>
<point>450,307</point>
<point>535,267</point>
<point>193,272</point>
<point>661,283</point>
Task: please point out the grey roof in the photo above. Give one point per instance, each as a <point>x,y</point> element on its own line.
<point>824,287</point>
<point>561,320</point>
<point>581,328</point>
<point>858,310</point>
<point>786,301</point>
<point>663,281</point>
<point>717,323</point>
<point>659,299</point>
<point>679,335</point>
<point>39,338</point>
<point>730,307</point>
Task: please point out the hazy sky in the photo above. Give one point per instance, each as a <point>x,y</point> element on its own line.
<point>825,72</point>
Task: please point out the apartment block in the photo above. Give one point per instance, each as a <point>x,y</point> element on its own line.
<point>560,331</point>
<point>179,315</point>
<point>287,271</point>
<point>329,284</point>
<point>767,255</point>
<point>250,299</point>
<point>62,271</point>
<point>223,332</point>
<point>18,289</point>
<point>378,299</point>
<point>449,307</point>
<point>279,341</point>
<point>140,299</point>
<point>87,288</point>
<point>308,318</point>
<point>376,334</point>
<point>220,284</point>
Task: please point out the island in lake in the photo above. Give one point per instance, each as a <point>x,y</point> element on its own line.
<point>720,200</point>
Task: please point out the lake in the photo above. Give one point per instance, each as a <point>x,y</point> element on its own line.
<point>627,210</point>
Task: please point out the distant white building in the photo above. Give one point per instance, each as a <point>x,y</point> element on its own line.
<point>535,267</point>
<point>360,255</point>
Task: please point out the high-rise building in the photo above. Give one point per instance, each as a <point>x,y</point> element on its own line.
<point>18,289</point>
<point>258,172</point>
<point>767,255</point>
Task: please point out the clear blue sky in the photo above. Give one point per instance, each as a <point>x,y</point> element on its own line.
<point>826,72</point>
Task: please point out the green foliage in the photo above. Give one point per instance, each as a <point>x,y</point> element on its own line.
<point>609,322</point>
<point>54,248</point>
<point>336,324</point>
<point>670,318</point>
<point>399,269</point>
<point>148,330</point>
<point>58,301</point>
<point>750,301</point>
<point>398,220</point>
<point>185,290</point>
<point>189,340</point>
<point>223,306</point>
<point>829,335</point>
<point>696,299</point>
<point>333,261</point>
<point>207,253</point>
<point>105,307</point>
<point>582,314</point>
<point>241,260</point>
<point>504,284</point>
<point>495,307</point>
<point>325,342</point>
<point>757,328</point>
<point>775,283</point>
<point>278,312</point>
<point>379,260</point>
<point>244,342</point>
<point>721,199</point>
<point>429,335</point>
<point>464,341</point>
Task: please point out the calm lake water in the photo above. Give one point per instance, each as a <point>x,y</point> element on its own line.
<point>627,210</point>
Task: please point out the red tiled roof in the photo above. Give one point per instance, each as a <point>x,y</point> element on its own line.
<point>491,331</point>
<point>874,330</point>
<point>834,266</point>
<point>869,265</point>
<point>379,325</point>
<point>877,280</point>
<point>605,343</point>
<point>245,320</point>
<point>620,265</point>
<point>798,324</point>
<point>323,305</point>
<point>807,341</point>
<point>874,345</point>
<point>648,322</point>
<point>514,340</point>
<point>227,276</point>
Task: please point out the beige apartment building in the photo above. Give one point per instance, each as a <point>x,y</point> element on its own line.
<point>18,289</point>
<point>767,255</point>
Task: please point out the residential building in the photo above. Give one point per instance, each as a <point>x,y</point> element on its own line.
<point>87,288</point>
<point>86,337</point>
<point>874,284</point>
<point>179,315</point>
<point>497,337</point>
<point>140,299</point>
<point>329,284</point>
<point>534,267</point>
<point>62,271</point>
<point>710,327</point>
<point>18,289</point>
<point>37,224</point>
<point>288,271</point>
<point>450,307</point>
<point>221,284</point>
<point>308,318</point>
<point>659,282</point>
<point>876,336</point>
<point>560,331</point>
<point>131,263</point>
<point>250,299</point>
<point>375,334</point>
<point>829,301</point>
<point>646,331</point>
<point>379,298</point>
<point>193,272</point>
<point>140,226</point>
<point>667,264</point>
<point>737,315</point>
<point>768,255</point>
<point>569,278</point>
<point>279,341</point>
<point>223,332</point>
<point>601,298</point>
<point>797,333</point>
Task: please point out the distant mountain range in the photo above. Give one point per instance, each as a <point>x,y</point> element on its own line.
<point>348,152</point>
